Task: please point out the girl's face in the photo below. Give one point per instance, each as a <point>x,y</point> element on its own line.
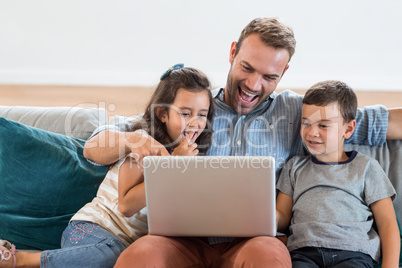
<point>323,131</point>
<point>187,115</point>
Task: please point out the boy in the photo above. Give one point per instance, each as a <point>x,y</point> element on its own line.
<point>332,197</point>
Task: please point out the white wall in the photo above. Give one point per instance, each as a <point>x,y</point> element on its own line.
<point>131,42</point>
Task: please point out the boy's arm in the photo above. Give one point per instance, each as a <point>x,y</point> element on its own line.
<point>387,225</point>
<point>131,188</point>
<point>394,131</point>
<point>110,145</point>
<point>284,205</point>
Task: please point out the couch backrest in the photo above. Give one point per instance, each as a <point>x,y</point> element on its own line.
<point>70,121</point>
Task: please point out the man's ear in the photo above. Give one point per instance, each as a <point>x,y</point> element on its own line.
<point>161,113</point>
<point>350,128</point>
<point>232,52</point>
<point>286,68</point>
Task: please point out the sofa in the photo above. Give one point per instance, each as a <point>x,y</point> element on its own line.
<point>44,178</point>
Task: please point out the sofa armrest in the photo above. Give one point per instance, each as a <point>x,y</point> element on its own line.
<point>70,121</point>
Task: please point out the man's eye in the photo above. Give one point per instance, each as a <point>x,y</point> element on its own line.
<point>246,68</point>
<point>305,124</point>
<point>324,126</point>
<point>270,78</point>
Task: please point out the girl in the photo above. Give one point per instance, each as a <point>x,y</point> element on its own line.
<point>179,116</point>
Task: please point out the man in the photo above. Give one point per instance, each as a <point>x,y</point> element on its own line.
<point>250,119</point>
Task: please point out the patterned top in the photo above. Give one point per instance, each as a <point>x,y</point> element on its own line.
<point>103,210</point>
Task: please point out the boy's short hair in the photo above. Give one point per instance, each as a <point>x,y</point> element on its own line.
<point>332,91</point>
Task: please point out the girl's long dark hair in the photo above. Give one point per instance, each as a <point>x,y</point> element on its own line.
<point>186,78</point>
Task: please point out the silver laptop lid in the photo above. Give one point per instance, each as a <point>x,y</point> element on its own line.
<point>210,195</point>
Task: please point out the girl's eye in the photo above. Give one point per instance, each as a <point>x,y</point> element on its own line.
<point>185,114</point>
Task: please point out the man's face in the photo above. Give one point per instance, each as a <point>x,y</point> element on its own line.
<point>254,74</point>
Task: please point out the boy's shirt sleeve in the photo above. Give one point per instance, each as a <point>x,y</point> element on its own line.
<point>377,184</point>
<point>285,183</point>
<point>371,126</point>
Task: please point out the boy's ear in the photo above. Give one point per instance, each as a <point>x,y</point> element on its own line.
<point>350,128</point>
<point>161,113</point>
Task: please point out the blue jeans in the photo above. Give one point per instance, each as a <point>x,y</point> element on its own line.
<point>324,257</point>
<point>84,244</point>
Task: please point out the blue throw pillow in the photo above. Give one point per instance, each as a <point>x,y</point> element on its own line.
<point>44,181</point>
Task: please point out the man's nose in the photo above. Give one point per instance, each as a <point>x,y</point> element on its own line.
<point>254,82</point>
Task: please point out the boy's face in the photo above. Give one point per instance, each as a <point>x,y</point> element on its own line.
<point>323,131</point>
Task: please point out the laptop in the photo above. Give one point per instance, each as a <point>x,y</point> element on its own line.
<point>229,196</point>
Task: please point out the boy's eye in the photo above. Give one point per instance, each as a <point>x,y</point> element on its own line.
<point>324,126</point>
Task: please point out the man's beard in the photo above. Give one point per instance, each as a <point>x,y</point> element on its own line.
<point>232,88</point>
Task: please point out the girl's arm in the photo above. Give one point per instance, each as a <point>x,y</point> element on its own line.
<point>284,205</point>
<point>131,189</point>
<point>385,219</point>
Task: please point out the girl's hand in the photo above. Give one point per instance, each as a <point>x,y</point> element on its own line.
<point>185,148</point>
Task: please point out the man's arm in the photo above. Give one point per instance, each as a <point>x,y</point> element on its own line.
<point>110,145</point>
<point>375,124</point>
<point>394,131</point>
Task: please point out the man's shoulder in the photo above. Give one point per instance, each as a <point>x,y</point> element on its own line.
<point>288,94</point>
<point>215,92</point>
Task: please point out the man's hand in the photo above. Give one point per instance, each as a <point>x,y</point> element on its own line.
<point>394,131</point>
<point>140,144</point>
<point>186,147</point>
<point>109,146</point>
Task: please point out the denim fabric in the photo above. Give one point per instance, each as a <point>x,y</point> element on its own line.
<point>84,244</point>
<point>309,257</point>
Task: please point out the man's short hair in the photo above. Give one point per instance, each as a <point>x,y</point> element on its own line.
<point>272,32</point>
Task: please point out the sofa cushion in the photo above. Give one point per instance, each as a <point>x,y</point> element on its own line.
<point>70,121</point>
<point>44,180</point>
